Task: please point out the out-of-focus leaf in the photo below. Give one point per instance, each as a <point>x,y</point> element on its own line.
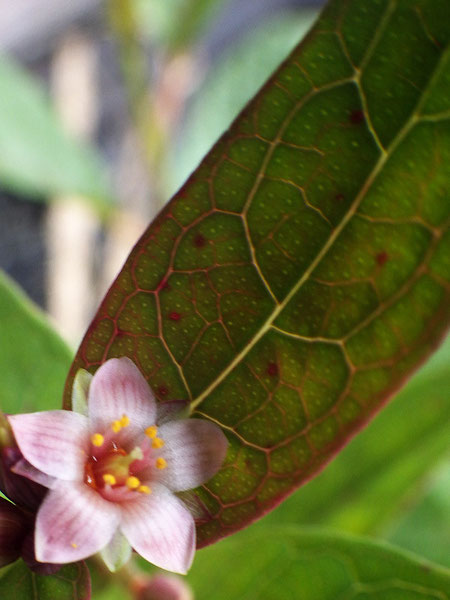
<point>424,527</point>
<point>72,582</point>
<point>291,564</point>
<point>36,156</point>
<point>368,482</point>
<point>175,23</point>
<point>302,273</point>
<point>231,83</point>
<point>33,358</point>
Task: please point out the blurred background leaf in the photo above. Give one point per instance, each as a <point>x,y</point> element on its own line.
<point>291,563</point>
<point>37,156</point>
<point>33,358</point>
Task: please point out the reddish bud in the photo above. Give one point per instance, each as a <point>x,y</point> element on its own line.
<point>14,526</point>
<point>24,492</point>
<point>162,587</point>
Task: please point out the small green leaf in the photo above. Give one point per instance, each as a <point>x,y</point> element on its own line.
<point>33,358</point>
<point>301,274</point>
<point>72,582</point>
<point>36,156</point>
<point>291,563</point>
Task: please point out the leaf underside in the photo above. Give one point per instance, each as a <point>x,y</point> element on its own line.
<point>302,272</point>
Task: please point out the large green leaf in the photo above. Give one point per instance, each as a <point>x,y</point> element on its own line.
<point>301,274</point>
<point>36,156</point>
<point>72,582</point>
<point>374,477</point>
<point>33,358</point>
<point>291,564</point>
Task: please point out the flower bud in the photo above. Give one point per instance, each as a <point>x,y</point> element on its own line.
<point>14,526</point>
<point>22,491</point>
<point>162,587</point>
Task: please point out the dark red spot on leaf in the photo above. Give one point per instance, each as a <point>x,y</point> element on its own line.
<point>272,369</point>
<point>162,391</point>
<point>174,316</point>
<point>339,197</point>
<point>356,117</point>
<point>199,241</point>
<point>382,258</point>
<point>163,285</point>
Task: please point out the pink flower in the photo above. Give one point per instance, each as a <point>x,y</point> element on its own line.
<point>113,472</point>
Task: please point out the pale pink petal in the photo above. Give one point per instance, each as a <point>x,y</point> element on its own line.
<point>54,442</point>
<point>26,469</point>
<point>161,529</point>
<point>194,450</point>
<point>73,523</point>
<point>118,388</point>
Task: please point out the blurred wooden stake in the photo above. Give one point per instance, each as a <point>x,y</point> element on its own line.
<point>72,227</point>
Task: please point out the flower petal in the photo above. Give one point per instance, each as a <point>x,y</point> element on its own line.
<point>161,529</point>
<point>194,450</point>
<point>80,391</point>
<point>117,552</point>
<point>53,441</point>
<point>119,388</point>
<point>73,522</point>
<point>26,469</point>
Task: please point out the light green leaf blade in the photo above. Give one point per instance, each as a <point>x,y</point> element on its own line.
<point>296,564</point>
<point>424,525</point>
<point>37,157</point>
<point>33,358</point>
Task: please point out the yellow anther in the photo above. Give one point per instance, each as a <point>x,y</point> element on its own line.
<point>133,482</point>
<point>151,431</point>
<point>125,421</point>
<point>74,545</point>
<point>161,463</point>
<point>116,426</point>
<point>97,440</point>
<point>157,443</point>
<point>109,479</point>
<point>144,489</point>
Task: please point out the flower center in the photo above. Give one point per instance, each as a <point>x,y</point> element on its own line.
<point>110,466</point>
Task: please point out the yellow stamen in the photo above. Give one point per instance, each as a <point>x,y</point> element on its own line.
<point>157,443</point>
<point>144,489</point>
<point>109,479</point>
<point>161,463</point>
<point>116,426</point>
<point>125,421</point>
<point>133,482</point>
<point>151,431</point>
<point>74,545</point>
<point>97,439</point>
